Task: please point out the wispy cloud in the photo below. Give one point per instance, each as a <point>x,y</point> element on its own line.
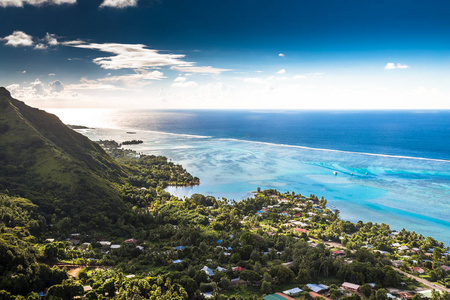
<point>140,78</point>
<point>139,57</point>
<point>21,3</point>
<point>199,69</point>
<point>118,3</point>
<point>280,54</point>
<point>130,56</point>
<point>282,71</point>
<point>393,66</point>
<point>19,39</point>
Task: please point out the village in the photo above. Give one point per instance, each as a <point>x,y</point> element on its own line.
<point>268,247</point>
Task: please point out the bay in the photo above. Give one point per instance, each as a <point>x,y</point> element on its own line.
<point>392,167</point>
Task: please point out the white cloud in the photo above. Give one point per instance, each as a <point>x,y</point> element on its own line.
<point>389,66</point>
<point>183,82</point>
<point>280,54</point>
<point>92,85</point>
<point>56,86</point>
<point>130,56</point>
<point>40,47</point>
<point>140,78</point>
<point>51,39</point>
<point>20,3</point>
<point>139,57</point>
<point>51,74</point>
<point>19,38</point>
<point>199,69</point>
<point>118,3</point>
<point>400,66</point>
<point>392,66</point>
<point>24,71</point>
<point>282,71</point>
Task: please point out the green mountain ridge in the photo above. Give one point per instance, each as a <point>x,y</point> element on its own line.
<point>57,168</point>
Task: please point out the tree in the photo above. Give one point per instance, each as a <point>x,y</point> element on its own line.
<point>303,276</point>
<point>225,283</point>
<point>266,287</point>
<point>249,275</point>
<point>366,290</point>
<point>390,277</point>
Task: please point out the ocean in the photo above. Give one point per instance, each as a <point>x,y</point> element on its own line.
<point>392,166</point>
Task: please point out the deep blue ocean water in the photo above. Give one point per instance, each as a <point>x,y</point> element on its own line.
<point>393,166</point>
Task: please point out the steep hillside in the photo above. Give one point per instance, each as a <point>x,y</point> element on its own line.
<point>57,168</point>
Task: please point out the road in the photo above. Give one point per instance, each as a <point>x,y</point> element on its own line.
<point>424,281</point>
<point>421,280</point>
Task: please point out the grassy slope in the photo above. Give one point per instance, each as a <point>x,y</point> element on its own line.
<point>56,167</point>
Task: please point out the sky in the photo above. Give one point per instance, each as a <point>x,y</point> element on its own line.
<point>227,54</point>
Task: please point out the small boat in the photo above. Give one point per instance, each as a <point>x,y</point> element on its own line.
<point>335,173</point>
<point>351,174</point>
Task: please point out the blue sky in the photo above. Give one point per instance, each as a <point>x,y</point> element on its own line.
<point>286,54</point>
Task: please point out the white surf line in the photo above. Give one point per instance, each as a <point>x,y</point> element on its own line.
<point>338,151</point>
<point>279,145</point>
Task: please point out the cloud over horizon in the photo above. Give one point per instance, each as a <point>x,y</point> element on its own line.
<point>393,66</point>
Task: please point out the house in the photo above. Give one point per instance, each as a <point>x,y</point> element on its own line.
<point>338,253</point>
<point>115,246</point>
<point>397,263</point>
<point>220,269</point>
<point>288,264</point>
<point>105,243</point>
<point>446,268</point>
<point>208,271</point>
<point>177,261</point>
<point>179,247</point>
<point>293,292</point>
<point>301,230</point>
<point>317,288</point>
<point>418,270</point>
<point>403,248</point>
<point>277,296</point>
<point>405,295</point>
<point>87,288</point>
<point>239,269</point>
<point>381,251</point>
<point>350,286</point>
<point>415,249</point>
<point>314,295</point>
<point>396,245</point>
<point>50,240</point>
<point>130,241</point>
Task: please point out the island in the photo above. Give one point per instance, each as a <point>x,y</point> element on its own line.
<point>132,142</point>
<point>80,219</point>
